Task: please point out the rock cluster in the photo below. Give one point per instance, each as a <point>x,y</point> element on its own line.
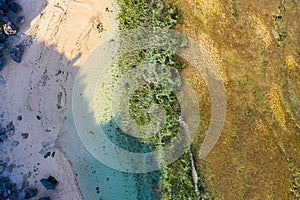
<point>10,189</point>
<point>9,24</point>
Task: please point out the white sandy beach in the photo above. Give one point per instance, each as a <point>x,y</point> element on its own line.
<point>60,35</point>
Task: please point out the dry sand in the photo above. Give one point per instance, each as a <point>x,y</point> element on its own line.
<point>59,35</point>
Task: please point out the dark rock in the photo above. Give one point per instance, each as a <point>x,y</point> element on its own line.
<point>10,133</point>
<point>10,126</point>
<point>15,7</point>
<point>16,53</point>
<point>25,135</point>
<point>3,138</point>
<point>50,183</point>
<point>2,130</point>
<point>47,155</point>
<point>2,81</point>
<point>30,192</point>
<point>10,129</point>
<point>45,198</point>
<point>25,184</point>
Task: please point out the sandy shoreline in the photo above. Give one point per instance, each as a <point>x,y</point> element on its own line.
<point>59,36</point>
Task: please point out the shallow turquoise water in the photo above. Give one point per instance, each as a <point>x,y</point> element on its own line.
<point>91,173</point>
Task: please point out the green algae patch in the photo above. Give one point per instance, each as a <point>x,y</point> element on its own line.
<point>176,180</point>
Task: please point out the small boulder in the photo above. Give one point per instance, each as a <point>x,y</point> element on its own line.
<point>25,135</point>
<point>50,183</point>
<point>30,192</point>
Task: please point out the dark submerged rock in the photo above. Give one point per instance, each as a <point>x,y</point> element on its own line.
<point>30,192</point>
<point>17,53</point>
<point>15,7</point>
<point>25,135</point>
<point>15,143</point>
<point>45,198</point>
<point>2,81</point>
<point>50,183</point>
